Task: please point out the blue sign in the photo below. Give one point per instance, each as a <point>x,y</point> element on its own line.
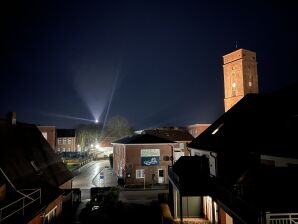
<point>150,161</point>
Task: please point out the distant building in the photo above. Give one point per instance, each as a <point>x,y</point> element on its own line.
<point>196,129</point>
<point>34,182</point>
<point>240,76</point>
<point>180,136</point>
<point>66,140</point>
<point>142,158</point>
<point>49,133</point>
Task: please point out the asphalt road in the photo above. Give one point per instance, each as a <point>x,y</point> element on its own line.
<point>138,205</point>
<point>89,176</point>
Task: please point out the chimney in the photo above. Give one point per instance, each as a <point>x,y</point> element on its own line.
<point>12,117</point>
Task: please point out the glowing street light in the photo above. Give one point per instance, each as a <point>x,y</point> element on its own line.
<point>96,121</point>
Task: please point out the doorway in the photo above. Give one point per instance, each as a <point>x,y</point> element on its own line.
<point>161,178</point>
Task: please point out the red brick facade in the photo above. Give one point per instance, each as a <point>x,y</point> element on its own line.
<point>196,129</point>
<point>127,160</point>
<point>49,133</point>
<point>240,76</point>
<point>66,144</point>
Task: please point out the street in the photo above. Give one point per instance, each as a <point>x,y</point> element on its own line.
<point>89,176</point>
<point>137,204</point>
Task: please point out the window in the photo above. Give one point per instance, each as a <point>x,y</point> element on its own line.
<point>217,129</point>
<point>45,135</point>
<point>234,89</point>
<point>140,173</point>
<point>69,141</point>
<point>59,141</point>
<point>64,141</point>
<point>34,166</point>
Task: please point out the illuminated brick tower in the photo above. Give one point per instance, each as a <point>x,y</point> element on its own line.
<point>240,76</point>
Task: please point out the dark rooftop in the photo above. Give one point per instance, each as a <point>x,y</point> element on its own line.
<point>143,139</point>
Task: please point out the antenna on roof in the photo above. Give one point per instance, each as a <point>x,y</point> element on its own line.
<point>236,44</point>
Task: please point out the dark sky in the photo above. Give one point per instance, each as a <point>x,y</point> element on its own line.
<point>157,63</point>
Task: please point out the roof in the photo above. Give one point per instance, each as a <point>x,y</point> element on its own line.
<point>27,158</point>
<point>260,123</point>
<point>66,133</point>
<point>143,139</point>
<point>176,135</point>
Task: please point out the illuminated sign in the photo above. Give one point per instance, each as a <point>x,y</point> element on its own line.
<point>150,157</point>
<point>150,161</point>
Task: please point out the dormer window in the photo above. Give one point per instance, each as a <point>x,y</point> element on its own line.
<point>34,166</point>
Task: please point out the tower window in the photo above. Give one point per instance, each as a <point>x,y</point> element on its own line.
<point>234,89</point>
<point>249,84</point>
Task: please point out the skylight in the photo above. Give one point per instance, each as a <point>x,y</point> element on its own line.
<point>216,130</point>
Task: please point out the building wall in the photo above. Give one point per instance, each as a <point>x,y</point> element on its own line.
<point>66,144</point>
<point>240,76</point>
<point>2,191</point>
<point>151,173</point>
<point>55,205</point>
<point>49,133</point>
<point>66,185</point>
<point>118,159</point>
<point>196,129</point>
<point>37,219</point>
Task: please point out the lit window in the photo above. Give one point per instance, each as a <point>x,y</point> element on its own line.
<point>69,141</point>
<point>234,89</point>
<point>140,173</point>
<point>249,84</point>
<point>59,141</point>
<point>64,141</point>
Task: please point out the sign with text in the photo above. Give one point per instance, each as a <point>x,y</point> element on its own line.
<point>150,152</point>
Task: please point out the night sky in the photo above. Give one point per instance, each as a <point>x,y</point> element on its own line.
<point>157,63</point>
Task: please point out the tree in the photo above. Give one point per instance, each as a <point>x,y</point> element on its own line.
<point>87,134</point>
<point>118,127</point>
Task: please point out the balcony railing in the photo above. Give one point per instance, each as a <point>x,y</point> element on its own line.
<point>19,205</point>
<point>281,218</point>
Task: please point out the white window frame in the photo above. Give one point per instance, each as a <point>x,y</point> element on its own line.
<point>64,141</point>
<point>59,141</point>
<point>140,174</point>
<point>69,141</point>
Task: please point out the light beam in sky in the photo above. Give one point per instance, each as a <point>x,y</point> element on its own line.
<point>70,117</point>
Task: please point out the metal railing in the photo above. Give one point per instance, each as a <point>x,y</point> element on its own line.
<point>281,218</point>
<point>20,204</point>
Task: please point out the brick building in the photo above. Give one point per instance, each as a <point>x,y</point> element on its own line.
<point>49,133</point>
<point>196,129</point>
<point>66,140</point>
<point>240,76</point>
<point>142,158</point>
<point>181,136</point>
